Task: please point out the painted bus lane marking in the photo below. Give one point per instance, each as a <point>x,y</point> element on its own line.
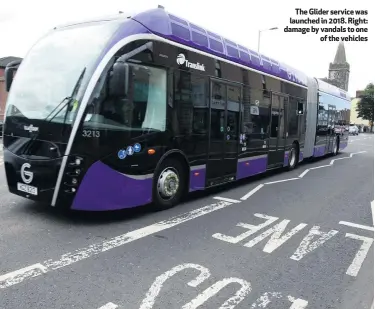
<point>202,273</point>
<point>109,306</point>
<point>359,226</point>
<point>359,258</point>
<point>18,276</point>
<point>303,174</point>
<point>70,258</point>
<point>278,234</point>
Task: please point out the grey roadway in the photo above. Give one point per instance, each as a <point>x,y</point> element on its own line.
<point>322,256</point>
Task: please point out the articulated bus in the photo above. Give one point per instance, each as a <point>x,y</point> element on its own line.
<point>130,110</point>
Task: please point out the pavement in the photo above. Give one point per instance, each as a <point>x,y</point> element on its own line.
<point>293,240</point>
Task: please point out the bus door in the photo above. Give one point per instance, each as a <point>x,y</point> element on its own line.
<point>331,127</point>
<point>278,129</point>
<point>224,133</point>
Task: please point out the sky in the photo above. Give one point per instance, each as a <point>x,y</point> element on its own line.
<point>23,22</point>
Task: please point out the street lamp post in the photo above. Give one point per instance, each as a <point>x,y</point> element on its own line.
<point>273,28</point>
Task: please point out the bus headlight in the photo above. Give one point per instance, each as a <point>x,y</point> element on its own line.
<point>72,174</point>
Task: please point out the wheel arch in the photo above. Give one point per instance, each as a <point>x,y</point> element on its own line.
<point>178,155</point>
<point>296,142</point>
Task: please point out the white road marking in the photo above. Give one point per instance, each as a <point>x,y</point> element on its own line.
<point>332,161</point>
<point>321,166</point>
<point>226,199</point>
<point>343,158</point>
<point>95,249</point>
<point>282,180</point>
<point>38,269</point>
<point>360,226</point>
<point>361,254</point>
<point>109,306</point>
<point>266,298</point>
<point>304,173</point>
<point>354,153</point>
<point>297,303</point>
<point>246,196</point>
<point>251,229</point>
<point>149,301</point>
<point>19,275</point>
<point>366,145</point>
<point>307,246</point>
<point>275,240</point>
<point>215,288</point>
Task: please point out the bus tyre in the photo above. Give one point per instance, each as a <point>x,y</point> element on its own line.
<point>169,184</point>
<point>293,159</point>
<point>335,150</point>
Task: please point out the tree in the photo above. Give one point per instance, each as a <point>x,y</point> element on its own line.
<point>365,107</point>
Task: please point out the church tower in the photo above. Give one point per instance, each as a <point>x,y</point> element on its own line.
<point>339,69</point>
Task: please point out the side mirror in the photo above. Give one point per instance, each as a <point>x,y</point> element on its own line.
<point>9,73</point>
<point>118,79</point>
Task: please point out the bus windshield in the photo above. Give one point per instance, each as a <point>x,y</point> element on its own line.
<point>51,69</point>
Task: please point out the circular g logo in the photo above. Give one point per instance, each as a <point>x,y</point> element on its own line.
<point>26,176</point>
<point>181,59</point>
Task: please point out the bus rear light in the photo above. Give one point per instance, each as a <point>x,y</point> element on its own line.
<point>196,174</point>
<point>247,163</point>
<point>151,151</point>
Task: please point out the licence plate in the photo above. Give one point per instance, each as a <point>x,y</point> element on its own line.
<point>26,188</point>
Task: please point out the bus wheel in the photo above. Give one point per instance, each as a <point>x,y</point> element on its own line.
<point>335,147</point>
<point>169,184</point>
<point>293,160</point>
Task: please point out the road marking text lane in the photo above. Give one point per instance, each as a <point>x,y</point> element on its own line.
<point>278,234</point>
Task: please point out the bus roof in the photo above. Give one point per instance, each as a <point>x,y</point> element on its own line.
<point>177,29</point>
<point>174,28</point>
<point>332,90</point>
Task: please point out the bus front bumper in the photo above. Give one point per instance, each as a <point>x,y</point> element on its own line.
<point>30,178</point>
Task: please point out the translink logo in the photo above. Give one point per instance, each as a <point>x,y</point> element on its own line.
<point>181,59</point>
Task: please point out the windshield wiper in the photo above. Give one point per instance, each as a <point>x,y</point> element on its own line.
<point>58,105</point>
<point>66,100</point>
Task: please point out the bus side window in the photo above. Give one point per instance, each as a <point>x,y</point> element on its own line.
<point>256,113</point>
<point>293,118</point>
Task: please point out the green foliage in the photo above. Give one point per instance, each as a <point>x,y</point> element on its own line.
<point>365,107</point>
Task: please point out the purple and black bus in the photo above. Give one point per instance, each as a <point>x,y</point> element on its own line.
<point>128,110</point>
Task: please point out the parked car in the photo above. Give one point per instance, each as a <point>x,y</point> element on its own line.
<point>353,129</point>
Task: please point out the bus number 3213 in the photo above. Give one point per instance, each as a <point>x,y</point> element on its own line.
<point>90,133</point>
